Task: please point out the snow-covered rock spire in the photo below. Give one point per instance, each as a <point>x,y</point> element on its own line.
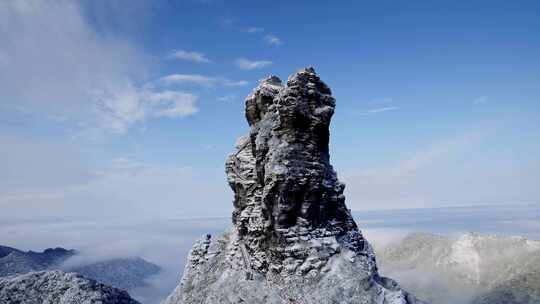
<point>293,239</point>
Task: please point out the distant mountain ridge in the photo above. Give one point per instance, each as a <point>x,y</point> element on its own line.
<point>469,268</point>
<point>15,261</point>
<point>124,273</point>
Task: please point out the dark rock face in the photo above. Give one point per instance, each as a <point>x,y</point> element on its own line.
<point>59,288</point>
<point>293,239</point>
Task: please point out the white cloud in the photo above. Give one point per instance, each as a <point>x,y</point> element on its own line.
<point>61,184</point>
<point>254,29</point>
<point>37,164</point>
<point>232,83</point>
<point>457,171</point>
<point>201,80</point>
<point>189,56</point>
<point>232,24</point>
<point>227,98</point>
<point>61,68</point>
<point>480,100</point>
<point>378,110</point>
<point>246,64</point>
<point>118,109</point>
<point>55,64</point>
<point>173,104</point>
<point>125,106</point>
<point>273,40</point>
<point>381,100</point>
<point>187,78</point>
<point>422,158</point>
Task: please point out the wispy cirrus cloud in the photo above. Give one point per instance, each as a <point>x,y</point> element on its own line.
<point>189,56</point>
<point>480,100</point>
<point>424,157</point>
<point>381,100</point>
<point>88,81</point>
<point>414,180</point>
<point>269,39</point>
<point>273,40</point>
<point>122,107</point>
<point>173,104</point>
<point>61,182</point>
<point>246,64</point>
<point>227,98</point>
<point>201,80</point>
<point>233,24</point>
<point>378,110</point>
<point>254,29</point>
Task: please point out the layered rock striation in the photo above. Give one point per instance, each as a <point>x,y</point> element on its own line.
<point>293,240</point>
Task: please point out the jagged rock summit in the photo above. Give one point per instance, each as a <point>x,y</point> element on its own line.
<point>293,240</point>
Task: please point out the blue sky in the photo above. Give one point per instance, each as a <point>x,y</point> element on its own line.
<point>113,106</point>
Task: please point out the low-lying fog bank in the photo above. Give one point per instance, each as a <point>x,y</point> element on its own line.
<point>166,242</point>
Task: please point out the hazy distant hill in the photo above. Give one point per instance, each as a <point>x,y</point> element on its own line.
<point>468,268</point>
<point>521,289</point>
<point>125,273</point>
<point>14,261</point>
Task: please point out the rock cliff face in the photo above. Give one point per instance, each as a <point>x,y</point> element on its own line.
<point>293,239</point>
<point>59,288</point>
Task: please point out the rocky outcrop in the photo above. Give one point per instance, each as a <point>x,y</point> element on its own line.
<point>293,240</point>
<point>59,288</point>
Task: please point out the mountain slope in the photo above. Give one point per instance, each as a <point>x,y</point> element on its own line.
<point>14,261</point>
<point>123,273</point>
<point>521,289</point>
<point>59,288</point>
<point>460,268</point>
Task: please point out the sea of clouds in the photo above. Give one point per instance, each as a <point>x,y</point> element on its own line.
<point>167,241</point>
